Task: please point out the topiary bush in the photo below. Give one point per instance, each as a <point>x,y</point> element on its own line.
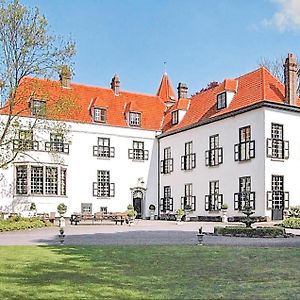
<point>249,232</point>
<point>291,222</point>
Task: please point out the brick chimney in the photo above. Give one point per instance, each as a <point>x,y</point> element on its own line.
<point>290,79</point>
<point>115,85</point>
<point>182,90</point>
<point>65,76</point>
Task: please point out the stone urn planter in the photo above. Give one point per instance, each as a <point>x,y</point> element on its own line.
<point>179,214</point>
<point>224,209</point>
<point>152,211</point>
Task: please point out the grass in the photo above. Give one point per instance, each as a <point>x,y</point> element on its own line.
<point>149,272</point>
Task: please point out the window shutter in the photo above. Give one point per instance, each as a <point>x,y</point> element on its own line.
<point>193,160</point>
<point>146,154</point>
<point>66,148</point>
<point>183,162</point>
<point>193,203</point>
<point>35,145</point>
<point>220,201</point>
<point>171,165</point>
<point>130,153</point>
<point>162,167</point>
<point>269,200</point>
<point>161,204</point>
<point>47,146</point>
<point>95,151</point>
<point>95,189</point>
<point>286,149</point>
<point>112,190</point>
<point>269,147</point>
<point>252,149</point>
<point>171,204</point>
<point>220,155</point>
<point>207,202</point>
<point>236,201</point>
<point>112,152</point>
<point>236,152</point>
<point>207,157</point>
<point>252,199</point>
<point>182,202</point>
<point>286,200</point>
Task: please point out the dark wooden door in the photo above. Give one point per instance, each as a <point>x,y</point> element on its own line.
<point>137,205</point>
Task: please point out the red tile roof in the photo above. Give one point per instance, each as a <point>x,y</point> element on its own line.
<point>257,86</point>
<point>165,90</point>
<point>75,103</point>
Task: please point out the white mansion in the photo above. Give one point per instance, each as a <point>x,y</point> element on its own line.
<point>233,142</point>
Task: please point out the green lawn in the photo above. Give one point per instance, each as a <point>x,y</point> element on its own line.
<point>144,272</point>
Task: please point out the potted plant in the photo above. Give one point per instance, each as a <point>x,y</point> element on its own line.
<point>179,213</point>
<point>61,209</point>
<point>224,208</point>
<point>187,210</point>
<point>152,211</point>
<point>32,209</point>
<point>131,213</point>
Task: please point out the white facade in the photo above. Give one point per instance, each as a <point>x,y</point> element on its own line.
<point>127,175</point>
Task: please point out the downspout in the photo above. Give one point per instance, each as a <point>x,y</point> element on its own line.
<point>158,183</point>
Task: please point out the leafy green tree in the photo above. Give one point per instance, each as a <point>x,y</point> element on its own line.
<point>27,48</point>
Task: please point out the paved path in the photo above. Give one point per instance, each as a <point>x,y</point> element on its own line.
<point>142,233</point>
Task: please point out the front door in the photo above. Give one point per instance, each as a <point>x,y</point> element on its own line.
<point>277,197</point>
<point>137,198</point>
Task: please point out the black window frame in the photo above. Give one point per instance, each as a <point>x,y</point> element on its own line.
<point>278,198</point>
<point>103,187</point>
<point>277,147</point>
<point>135,119</point>
<point>221,102</point>
<point>103,148</point>
<point>167,163</point>
<point>245,194</point>
<point>21,187</point>
<point>100,115</point>
<point>137,152</point>
<point>38,107</point>
<point>245,149</point>
<point>214,200</point>
<point>188,199</point>
<point>188,161</point>
<point>86,211</point>
<point>166,203</point>
<point>175,117</point>
<point>25,141</point>
<point>214,155</point>
<point>57,144</point>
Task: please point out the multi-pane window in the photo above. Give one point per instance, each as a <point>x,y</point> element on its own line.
<point>51,181</point>
<point>166,203</point>
<point>40,180</point>
<point>188,200</point>
<point>245,197</point>
<point>103,209</point>
<point>277,147</point>
<point>21,180</point>
<point>277,197</point>
<point>245,149</point>
<point>103,187</point>
<point>135,119</point>
<point>38,108</point>
<point>214,156</point>
<point>221,100</point>
<point>166,164</point>
<point>175,117</point>
<point>25,141</point>
<point>86,208</point>
<point>100,115</point>
<point>57,144</point>
<point>214,200</point>
<point>188,161</point>
<point>137,152</point>
<point>63,182</point>
<point>37,180</point>
<point>103,149</point>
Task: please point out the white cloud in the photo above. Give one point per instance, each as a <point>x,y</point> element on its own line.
<point>287,18</point>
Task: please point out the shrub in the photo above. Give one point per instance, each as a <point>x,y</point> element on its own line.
<point>179,212</point>
<point>294,211</point>
<point>18,223</point>
<point>291,222</point>
<point>249,232</point>
<point>62,208</point>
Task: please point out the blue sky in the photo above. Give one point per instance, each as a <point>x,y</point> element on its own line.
<point>201,40</point>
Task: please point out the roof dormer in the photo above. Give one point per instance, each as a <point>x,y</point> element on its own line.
<point>228,89</point>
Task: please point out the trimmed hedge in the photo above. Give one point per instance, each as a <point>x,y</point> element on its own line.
<point>17,223</point>
<point>291,222</point>
<point>249,232</point>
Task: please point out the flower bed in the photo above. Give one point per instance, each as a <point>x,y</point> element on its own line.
<point>291,222</point>
<point>18,223</point>
<point>250,232</point>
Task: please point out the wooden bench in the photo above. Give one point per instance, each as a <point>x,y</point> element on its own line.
<point>117,217</point>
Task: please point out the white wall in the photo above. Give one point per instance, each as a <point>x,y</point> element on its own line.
<point>227,173</point>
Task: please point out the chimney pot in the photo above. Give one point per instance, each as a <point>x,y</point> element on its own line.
<point>290,79</point>
<point>182,90</point>
<point>65,76</point>
<point>115,85</point>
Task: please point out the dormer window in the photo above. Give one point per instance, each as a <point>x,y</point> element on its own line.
<point>38,107</point>
<point>175,117</point>
<point>221,100</point>
<point>100,115</point>
<point>135,119</point>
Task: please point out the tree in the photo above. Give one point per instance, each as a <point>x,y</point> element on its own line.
<point>276,67</point>
<point>27,48</point>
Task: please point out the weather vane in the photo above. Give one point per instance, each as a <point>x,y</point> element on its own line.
<point>165,66</point>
